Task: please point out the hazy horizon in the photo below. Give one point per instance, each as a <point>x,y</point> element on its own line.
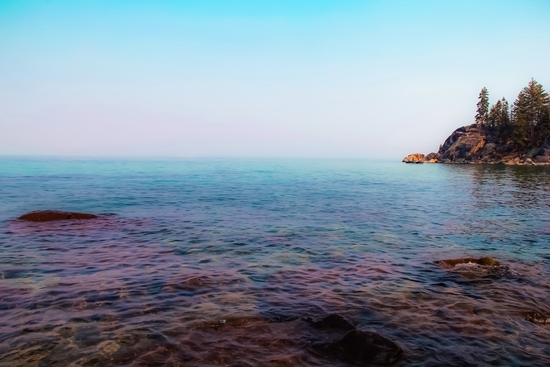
<point>352,79</point>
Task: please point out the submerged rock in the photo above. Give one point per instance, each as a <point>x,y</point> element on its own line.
<point>485,261</point>
<point>333,321</point>
<point>363,347</point>
<point>48,215</point>
<point>537,318</point>
<point>356,346</point>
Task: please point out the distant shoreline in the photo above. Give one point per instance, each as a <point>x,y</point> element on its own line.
<point>500,135</point>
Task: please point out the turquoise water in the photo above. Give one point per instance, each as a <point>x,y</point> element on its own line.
<point>264,244</point>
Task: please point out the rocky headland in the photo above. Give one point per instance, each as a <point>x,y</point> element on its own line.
<point>479,144</point>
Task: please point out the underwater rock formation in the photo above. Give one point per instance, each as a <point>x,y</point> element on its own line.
<point>49,215</point>
<point>357,346</point>
<point>362,347</point>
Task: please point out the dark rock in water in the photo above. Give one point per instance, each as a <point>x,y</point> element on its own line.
<point>360,347</point>
<point>537,318</point>
<point>48,215</point>
<point>333,321</point>
<point>486,261</point>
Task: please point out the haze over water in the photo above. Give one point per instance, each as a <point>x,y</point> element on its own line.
<point>263,244</point>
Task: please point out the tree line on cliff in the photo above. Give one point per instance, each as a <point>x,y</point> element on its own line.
<point>526,124</point>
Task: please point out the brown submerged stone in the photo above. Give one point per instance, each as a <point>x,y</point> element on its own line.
<point>362,347</point>
<point>486,261</point>
<point>49,215</point>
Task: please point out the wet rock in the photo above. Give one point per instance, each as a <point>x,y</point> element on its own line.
<point>361,347</point>
<point>537,318</point>
<point>485,261</point>
<point>49,215</point>
<point>333,321</point>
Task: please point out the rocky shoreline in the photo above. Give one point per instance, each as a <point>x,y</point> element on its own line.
<point>479,144</point>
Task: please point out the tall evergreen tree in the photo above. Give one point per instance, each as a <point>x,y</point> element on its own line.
<point>520,123</point>
<point>495,114</point>
<point>503,123</point>
<point>499,119</point>
<point>482,114</point>
<point>537,111</point>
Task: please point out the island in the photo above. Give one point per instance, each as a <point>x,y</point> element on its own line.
<point>500,135</point>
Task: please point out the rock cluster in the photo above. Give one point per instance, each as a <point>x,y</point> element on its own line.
<point>477,144</point>
<point>421,158</point>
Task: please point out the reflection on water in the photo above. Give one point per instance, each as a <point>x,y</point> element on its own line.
<point>219,262</point>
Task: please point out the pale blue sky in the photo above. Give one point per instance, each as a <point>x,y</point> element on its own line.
<point>248,78</point>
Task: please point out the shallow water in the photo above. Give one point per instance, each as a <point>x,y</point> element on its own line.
<point>187,244</point>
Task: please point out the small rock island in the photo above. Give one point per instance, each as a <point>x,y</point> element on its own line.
<point>500,136</point>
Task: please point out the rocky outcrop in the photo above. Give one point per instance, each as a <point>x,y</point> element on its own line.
<point>421,158</point>
<point>49,215</point>
<point>414,158</point>
<point>464,143</point>
<point>478,144</point>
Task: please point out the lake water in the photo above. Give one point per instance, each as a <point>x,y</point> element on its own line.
<point>218,262</point>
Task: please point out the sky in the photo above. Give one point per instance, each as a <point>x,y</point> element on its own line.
<point>320,79</point>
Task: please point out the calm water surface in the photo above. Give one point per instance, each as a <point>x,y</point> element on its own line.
<point>187,244</point>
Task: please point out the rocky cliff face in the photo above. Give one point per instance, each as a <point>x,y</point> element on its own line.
<point>479,144</point>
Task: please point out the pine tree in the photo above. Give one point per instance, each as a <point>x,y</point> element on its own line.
<point>544,127</point>
<point>495,115</point>
<point>536,111</point>
<point>482,115</point>
<point>520,123</point>
<point>504,126</point>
